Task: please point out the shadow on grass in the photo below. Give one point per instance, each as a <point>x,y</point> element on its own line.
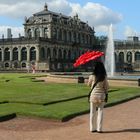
<point>112,90</point>
<point>7,117</point>
<point>65,100</point>
<point>122,101</point>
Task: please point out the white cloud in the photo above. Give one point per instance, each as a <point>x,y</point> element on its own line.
<point>97,15</point>
<point>18,10</point>
<point>60,6</point>
<point>14,30</point>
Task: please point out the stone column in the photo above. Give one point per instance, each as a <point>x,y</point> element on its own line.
<point>37,58</point>
<point>133,56</point>
<point>49,31</point>
<point>28,54</point>
<point>33,32</point>
<point>19,54</point>
<point>11,54</point>
<point>41,32</point>
<point>125,57</point>
<point>2,54</point>
<point>37,54</point>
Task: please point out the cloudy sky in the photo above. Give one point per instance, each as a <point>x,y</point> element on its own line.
<point>123,14</point>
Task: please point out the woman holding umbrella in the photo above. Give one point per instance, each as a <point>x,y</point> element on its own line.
<point>98,95</point>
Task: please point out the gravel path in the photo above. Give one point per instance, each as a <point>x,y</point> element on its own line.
<point>121,122</point>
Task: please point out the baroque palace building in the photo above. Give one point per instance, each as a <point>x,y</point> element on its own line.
<point>52,41</point>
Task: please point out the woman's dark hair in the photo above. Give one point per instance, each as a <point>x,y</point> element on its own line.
<point>99,71</point>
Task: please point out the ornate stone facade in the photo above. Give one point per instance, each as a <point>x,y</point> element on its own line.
<point>52,42</point>
<point>127,53</point>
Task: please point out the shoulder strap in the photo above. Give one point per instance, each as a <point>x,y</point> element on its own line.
<point>92,88</point>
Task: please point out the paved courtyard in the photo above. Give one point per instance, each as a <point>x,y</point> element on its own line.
<point>121,122</point>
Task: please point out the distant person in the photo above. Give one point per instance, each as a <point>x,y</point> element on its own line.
<point>28,68</point>
<point>33,69</point>
<point>98,96</point>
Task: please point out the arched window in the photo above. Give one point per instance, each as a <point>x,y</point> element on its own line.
<point>46,32</point>
<point>48,53</point>
<point>74,36</point>
<point>29,33</point>
<point>137,56</point>
<point>0,54</point>
<point>86,39</point>
<point>23,54</point>
<point>83,38</point>
<point>23,65</point>
<point>37,33</point>
<point>69,36</point>
<point>69,54</point>
<point>32,54</point>
<point>60,54</point>
<point>116,57</point>
<point>54,53</point>
<point>42,53</point>
<point>79,38</point>
<point>65,54</point>
<point>6,65</point>
<point>7,54</point>
<point>55,33</point>
<point>121,57</point>
<point>60,34</point>
<point>65,35</point>
<point>129,57</point>
<point>75,55</point>
<point>15,54</point>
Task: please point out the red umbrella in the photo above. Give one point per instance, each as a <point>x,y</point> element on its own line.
<point>86,57</point>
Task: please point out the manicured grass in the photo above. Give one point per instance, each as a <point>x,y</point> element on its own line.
<point>55,101</point>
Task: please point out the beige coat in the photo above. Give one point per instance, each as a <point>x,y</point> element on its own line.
<point>99,90</point>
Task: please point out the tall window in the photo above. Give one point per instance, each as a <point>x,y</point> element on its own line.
<point>121,57</point>
<point>42,53</point>
<point>46,32</point>
<point>60,34</point>
<point>7,54</point>
<point>74,36</point>
<point>69,36</point>
<point>48,53</point>
<point>69,54</point>
<point>54,53</point>
<point>129,57</point>
<point>137,56</point>
<point>32,54</point>
<point>29,33</point>
<point>64,54</point>
<point>15,54</point>
<point>55,33</point>
<point>37,33</point>
<point>23,54</point>
<point>0,54</point>
<point>60,54</point>
<point>65,35</point>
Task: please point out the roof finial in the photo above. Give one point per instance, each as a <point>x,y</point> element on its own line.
<point>46,7</point>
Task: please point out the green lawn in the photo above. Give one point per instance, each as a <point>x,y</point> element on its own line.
<point>23,96</point>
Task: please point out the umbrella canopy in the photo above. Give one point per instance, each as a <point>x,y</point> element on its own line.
<point>86,57</point>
